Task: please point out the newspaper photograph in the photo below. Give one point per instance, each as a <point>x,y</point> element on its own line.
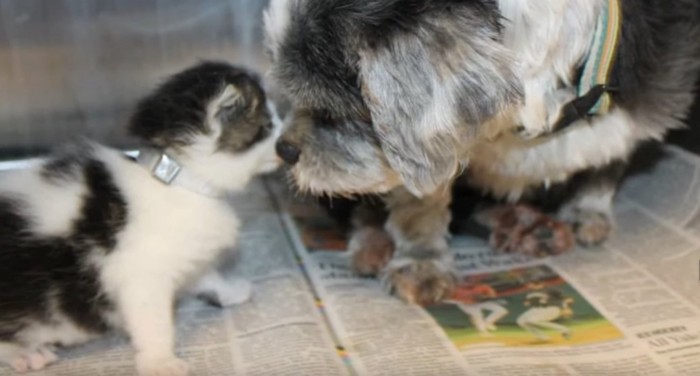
<point>530,306</point>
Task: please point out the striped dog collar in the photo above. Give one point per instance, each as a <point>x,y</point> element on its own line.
<point>594,87</point>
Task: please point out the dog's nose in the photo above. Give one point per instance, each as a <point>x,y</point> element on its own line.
<point>288,152</point>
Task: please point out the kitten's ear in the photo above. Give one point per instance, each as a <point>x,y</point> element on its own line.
<point>230,97</point>
<point>430,89</point>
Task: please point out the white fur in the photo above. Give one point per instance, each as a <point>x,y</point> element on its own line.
<point>509,165</point>
<point>224,170</point>
<point>549,39</point>
<point>171,238</point>
<point>51,208</point>
<point>276,19</point>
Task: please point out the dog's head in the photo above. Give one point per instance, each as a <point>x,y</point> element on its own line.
<point>385,92</point>
<point>215,119</point>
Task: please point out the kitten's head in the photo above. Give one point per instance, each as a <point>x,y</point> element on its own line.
<point>214,118</point>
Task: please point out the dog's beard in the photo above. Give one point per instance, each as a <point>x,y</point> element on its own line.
<point>323,176</point>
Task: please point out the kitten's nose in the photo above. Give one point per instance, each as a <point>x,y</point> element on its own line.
<point>288,152</point>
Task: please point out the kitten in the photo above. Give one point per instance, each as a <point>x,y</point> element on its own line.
<point>92,241</point>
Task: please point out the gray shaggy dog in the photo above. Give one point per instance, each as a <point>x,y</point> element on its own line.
<point>402,97</point>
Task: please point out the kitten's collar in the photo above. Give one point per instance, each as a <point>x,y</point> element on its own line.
<point>168,171</point>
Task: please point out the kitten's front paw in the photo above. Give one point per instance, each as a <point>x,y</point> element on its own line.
<point>33,360</point>
<point>223,292</point>
<point>420,281</point>
<point>237,291</point>
<point>169,366</point>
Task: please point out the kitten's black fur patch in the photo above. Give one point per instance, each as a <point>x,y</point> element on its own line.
<point>177,110</point>
<point>104,210</point>
<point>68,162</point>
<point>44,275</point>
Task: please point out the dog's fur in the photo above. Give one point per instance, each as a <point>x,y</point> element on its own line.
<point>399,96</point>
<point>91,241</point>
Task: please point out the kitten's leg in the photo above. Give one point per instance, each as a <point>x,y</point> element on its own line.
<point>147,306</point>
<point>23,360</point>
<point>217,290</point>
<point>421,270</point>
<point>590,210</point>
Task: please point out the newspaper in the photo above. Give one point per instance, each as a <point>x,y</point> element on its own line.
<point>630,307</point>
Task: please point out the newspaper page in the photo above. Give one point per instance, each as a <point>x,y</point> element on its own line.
<point>629,307</point>
<point>280,331</point>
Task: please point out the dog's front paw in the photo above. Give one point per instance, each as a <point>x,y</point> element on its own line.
<point>161,366</point>
<point>523,229</point>
<point>420,281</point>
<point>591,227</point>
<point>371,249</point>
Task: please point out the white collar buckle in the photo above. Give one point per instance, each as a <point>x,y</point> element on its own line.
<point>168,171</point>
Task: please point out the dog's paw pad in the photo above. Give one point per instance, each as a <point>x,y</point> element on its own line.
<point>591,228</point>
<point>371,249</point>
<point>162,367</point>
<point>421,282</point>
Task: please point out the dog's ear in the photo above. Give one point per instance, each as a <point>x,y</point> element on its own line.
<point>430,86</point>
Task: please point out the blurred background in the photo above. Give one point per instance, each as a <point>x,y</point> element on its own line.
<point>76,67</point>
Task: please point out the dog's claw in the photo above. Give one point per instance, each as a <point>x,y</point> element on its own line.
<point>421,282</point>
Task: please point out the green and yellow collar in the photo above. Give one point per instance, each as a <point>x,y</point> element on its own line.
<point>594,86</point>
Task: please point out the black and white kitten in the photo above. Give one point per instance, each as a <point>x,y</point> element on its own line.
<point>92,241</point>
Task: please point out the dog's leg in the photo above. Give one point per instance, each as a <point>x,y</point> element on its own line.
<point>590,209</point>
<point>370,244</point>
<point>421,268</point>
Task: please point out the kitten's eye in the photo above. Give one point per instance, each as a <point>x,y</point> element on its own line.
<point>260,135</point>
<point>228,106</point>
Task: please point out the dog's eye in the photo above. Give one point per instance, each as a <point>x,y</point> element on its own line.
<point>325,116</point>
